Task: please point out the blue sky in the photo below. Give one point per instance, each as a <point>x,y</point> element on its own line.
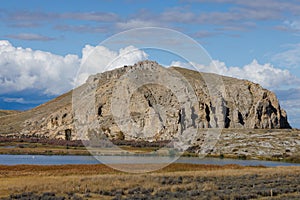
<point>257,40</point>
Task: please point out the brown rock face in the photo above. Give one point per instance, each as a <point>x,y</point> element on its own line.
<point>156,110</point>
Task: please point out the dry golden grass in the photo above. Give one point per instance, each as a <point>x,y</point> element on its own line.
<point>14,179</point>
<point>82,179</point>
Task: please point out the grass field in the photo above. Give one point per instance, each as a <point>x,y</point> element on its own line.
<point>177,181</point>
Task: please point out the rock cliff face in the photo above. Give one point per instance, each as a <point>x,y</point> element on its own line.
<point>156,109</point>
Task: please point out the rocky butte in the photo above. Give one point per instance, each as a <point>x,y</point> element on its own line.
<point>149,102</point>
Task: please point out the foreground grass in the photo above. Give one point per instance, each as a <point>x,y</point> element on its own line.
<point>177,181</point>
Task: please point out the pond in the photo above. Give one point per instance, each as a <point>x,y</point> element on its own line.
<point>63,160</point>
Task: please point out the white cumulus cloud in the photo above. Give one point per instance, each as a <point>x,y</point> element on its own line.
<point>24,68</point>
<point>265,74</point>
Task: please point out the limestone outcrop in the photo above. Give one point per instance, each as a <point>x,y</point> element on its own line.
<point>149,102</point>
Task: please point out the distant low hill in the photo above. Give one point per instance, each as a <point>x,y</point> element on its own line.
<point>8,112</point>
